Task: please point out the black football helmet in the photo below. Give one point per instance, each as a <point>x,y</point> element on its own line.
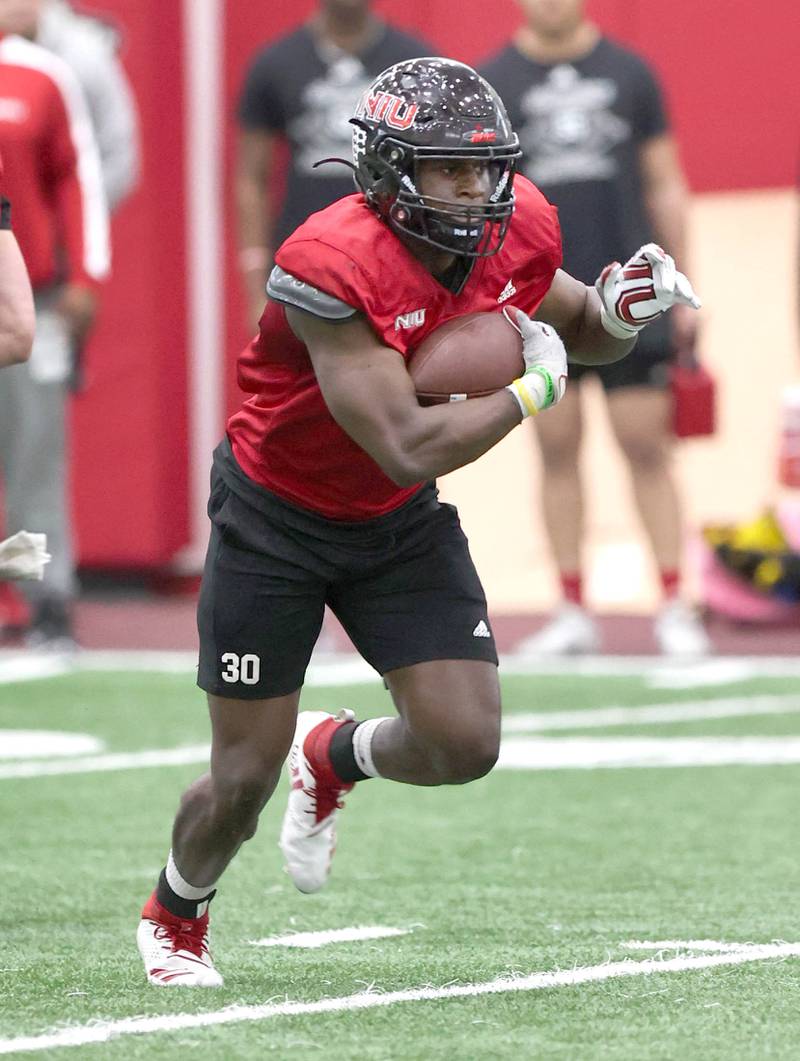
<point>435,108</point>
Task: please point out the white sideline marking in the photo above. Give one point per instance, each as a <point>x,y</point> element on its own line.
<point>92,764</point>
<point>653,714</point>
<point>107,1030</point>
<point>334,935</point>
<point>589,753</point>
<point>724,670</point>
<point>684,944</point>
<point>28,743</point>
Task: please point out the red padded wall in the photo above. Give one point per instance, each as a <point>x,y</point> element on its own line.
<point>129,469</point>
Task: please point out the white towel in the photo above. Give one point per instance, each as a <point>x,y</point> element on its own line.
<point>24,556</point>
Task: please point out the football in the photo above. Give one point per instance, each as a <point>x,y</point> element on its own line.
<point>467,357</point>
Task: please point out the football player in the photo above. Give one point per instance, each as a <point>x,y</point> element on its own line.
<point>323,489</point>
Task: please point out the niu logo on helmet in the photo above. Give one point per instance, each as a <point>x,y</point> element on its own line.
<point>385,107</point>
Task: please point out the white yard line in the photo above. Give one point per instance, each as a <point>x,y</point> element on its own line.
<point>108,1030</point>
<point>93,764</point>
<point>685,944</point>
<point>334,935</point>
<point>591,753</point>
<point>33,743</point>
<point>652,714</point>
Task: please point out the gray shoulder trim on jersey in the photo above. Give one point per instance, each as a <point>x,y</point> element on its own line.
<point>283,287</point>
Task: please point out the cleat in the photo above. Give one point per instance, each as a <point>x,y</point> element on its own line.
<point>571,632</point>
<point>679,632</point>
<point>308,833</point>
<point>175,949</point>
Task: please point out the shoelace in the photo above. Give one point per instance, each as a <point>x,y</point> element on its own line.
<point>192,940</point>
<point>327,801</point>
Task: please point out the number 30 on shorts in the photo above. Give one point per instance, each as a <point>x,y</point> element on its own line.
<point>245,669</point>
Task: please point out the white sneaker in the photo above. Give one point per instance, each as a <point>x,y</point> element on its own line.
<point>175,949</point>
<point>679,632</point>
<point>308,833</point>
<point>571,632</point>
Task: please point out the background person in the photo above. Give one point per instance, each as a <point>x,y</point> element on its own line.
<point>53,177</point>
<point>595,139</point>
<point>302,89</point>
<point>89,47</point>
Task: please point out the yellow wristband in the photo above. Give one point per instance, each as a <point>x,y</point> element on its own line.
<point>522,392</point>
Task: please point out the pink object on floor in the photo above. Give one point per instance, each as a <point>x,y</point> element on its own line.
<point>728,595</point>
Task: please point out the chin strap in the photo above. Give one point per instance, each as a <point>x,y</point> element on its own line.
<point>339,161</point>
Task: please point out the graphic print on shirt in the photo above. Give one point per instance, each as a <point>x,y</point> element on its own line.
<point>321,129</point>
<point>569,129</point>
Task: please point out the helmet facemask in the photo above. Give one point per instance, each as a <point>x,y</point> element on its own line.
<point>471,230</point>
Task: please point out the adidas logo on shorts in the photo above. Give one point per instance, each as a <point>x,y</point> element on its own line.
<point>481,630</point>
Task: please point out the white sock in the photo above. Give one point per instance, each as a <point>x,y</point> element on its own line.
<point>362,745</point>
<point>182,887</point>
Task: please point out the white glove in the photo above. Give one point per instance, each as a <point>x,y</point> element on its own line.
<point>24,556</point>
<point>545,378</point>
<point>636,293</point>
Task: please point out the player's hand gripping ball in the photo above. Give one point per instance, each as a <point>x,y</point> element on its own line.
<point>544,381</point>
<point>636,293</point>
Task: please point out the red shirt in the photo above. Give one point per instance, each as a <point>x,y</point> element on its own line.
<point>283,437</point>
<point>51,168</point>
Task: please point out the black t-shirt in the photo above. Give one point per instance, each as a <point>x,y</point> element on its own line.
<point>581,125</point>
<point>306,91</point>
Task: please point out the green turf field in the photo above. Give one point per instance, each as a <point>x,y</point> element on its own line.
<point>547,866</point>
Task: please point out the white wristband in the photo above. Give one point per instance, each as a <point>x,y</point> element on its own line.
<point>616,327</point>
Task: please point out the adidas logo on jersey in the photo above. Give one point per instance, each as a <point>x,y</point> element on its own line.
<point>409,320</point>
<point>507,292</point>
<point>481,630</point>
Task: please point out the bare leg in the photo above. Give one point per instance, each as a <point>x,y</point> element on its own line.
<point>559,434</point>
<point>640,419</point>
<point>448,731</point>
<point>250,741</point>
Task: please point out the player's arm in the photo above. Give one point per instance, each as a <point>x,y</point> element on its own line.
<point>574,310</point>
<point>371,396</point>
<point>254,214</point>
<point>71,165</point>
<point>601,326</point>
<point>16,302</point>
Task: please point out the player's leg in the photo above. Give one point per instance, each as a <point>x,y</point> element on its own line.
<point>259,614</point>
<point>640,418</point>
<point>416,611</point>
<point>250,740</point>
<point>249,744</point>
<point>571,629</point>
<point>448,729</point>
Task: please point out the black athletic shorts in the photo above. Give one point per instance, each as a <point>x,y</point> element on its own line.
<point>646,366</point>
<point>403,586</point>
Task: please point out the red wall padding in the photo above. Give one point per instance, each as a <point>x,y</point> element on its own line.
<point>129,439</point>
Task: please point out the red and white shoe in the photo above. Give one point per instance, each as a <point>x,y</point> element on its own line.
<point>308,834</point>
<point>175,949</point>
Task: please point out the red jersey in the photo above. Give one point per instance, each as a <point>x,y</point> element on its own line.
<point>52,170</point>
<point>283,437</point>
